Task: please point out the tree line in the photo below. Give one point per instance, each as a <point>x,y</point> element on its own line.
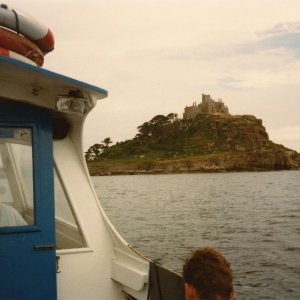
<point>158,129</point>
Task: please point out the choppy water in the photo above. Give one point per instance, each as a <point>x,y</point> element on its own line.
<point>252,218</point>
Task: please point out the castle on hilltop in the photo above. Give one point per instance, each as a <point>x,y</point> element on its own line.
<point>208,106</point>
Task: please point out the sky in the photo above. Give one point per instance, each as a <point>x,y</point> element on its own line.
<point>158,56</point>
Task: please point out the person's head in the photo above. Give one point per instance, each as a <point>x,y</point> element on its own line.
<point>207,276</point>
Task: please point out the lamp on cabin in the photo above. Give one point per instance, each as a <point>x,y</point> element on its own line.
<point>71,104</point>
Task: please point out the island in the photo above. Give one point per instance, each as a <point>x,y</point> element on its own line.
<point>207,139</point>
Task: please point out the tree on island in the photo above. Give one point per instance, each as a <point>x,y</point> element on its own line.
<point>106,142</point>
<point>158,129</point>
<point>155,127</point>
<point>95,151</point>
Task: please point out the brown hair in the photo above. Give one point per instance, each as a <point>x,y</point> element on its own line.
<point>209,273</point>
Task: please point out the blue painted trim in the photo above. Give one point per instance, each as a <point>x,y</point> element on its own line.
<point>19,229</point>
<point>54,75</point>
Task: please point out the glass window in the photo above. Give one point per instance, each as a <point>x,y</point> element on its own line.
<point>16,177</point>
<point>17,189</point>
<point>68,233</point>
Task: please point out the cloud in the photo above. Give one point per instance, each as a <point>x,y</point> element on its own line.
<point>280,40</point>
<point>231,83</point>
<point>284,44</point>
<point>281,28</point>
<point>288,41</point>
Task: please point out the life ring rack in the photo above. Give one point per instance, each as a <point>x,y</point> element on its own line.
<point>14,55</point>
<point>18,44</point>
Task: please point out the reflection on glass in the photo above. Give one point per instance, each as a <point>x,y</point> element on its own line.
<point>68,233</point>
<point>16,177</point>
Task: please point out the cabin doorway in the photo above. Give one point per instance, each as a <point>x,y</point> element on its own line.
<point>27,230</point>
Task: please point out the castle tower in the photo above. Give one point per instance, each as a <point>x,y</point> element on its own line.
<point>208,106</point>
<point>206,98</point>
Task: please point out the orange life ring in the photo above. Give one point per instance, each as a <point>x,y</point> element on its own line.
<point>21,45</point>
<point>15,55</point>
<point>27,26</point>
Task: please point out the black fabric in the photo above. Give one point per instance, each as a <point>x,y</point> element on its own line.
<point>164,284</point>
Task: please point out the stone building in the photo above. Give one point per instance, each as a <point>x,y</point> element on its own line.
<point>208,106</point>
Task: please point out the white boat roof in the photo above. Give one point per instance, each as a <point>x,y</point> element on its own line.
<point>25,82</point>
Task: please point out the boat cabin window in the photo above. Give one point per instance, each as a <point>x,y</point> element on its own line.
<point>68,233</point>
<point>16,177</point>
<point>17,189</point>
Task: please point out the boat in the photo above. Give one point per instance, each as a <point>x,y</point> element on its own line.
<point>56,242</point>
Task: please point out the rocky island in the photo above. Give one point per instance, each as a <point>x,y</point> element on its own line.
<point>207,139</point>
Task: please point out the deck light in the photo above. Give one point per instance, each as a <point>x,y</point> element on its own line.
<point>69,104</point>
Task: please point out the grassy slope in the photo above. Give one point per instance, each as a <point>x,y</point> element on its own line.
<point>209,142</point>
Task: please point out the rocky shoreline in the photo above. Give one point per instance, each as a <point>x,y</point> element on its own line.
<point>226,162</point>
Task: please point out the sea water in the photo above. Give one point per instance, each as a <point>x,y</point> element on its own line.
<point>252,218</point>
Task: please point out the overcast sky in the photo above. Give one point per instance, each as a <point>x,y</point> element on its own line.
<point>157,56</point>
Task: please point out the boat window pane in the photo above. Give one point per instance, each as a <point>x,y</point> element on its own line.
<point>68,233</point>
<point>16,177</point>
